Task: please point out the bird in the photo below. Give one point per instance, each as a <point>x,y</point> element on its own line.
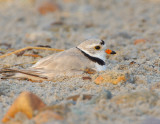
<point>89,56</point>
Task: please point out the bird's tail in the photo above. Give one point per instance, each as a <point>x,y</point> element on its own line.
<point>8,73</point>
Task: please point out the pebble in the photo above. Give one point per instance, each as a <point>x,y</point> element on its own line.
<point>26,103</point>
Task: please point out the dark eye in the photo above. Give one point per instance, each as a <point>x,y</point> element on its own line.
<point>97,47</point>
<point>102,42</point>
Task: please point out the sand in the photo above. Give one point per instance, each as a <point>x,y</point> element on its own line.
<point>119,23</point>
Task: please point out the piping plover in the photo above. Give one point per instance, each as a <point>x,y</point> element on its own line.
<point>90,54</point>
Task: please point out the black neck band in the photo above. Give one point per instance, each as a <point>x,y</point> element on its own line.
<point>94,59</point>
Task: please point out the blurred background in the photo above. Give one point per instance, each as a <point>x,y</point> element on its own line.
<point>66,23</point>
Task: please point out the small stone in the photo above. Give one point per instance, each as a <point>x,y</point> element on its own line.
<point>26,103</point>
<point>111,77</point>
<point>89,71</point>
<point>47,7</point>
<point>131,63</point>
<point>99,80</point>
<point>86,78</point>
<point>138,41</point>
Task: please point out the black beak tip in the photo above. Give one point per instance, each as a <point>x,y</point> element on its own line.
<point>113,52</point>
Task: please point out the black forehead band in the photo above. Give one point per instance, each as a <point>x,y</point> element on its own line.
<point>102,42</point>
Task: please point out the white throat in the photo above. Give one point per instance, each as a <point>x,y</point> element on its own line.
<point>100,67</point>
<point>101,56</point>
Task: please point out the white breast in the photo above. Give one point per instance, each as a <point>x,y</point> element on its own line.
<point>100,67</point>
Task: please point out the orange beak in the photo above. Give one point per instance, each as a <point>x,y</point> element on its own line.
<point>108,51</point>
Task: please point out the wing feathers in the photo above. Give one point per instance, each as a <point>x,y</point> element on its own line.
<point>13,73</point>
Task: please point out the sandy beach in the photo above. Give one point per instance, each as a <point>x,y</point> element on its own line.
<point>131,28</point>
